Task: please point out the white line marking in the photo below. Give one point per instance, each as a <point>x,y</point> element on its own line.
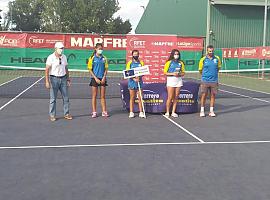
<point>10,81</point>
<point>244,96</point>
<point>245,89</point>
<point>187,131</point>
<point>20,93</point>
<point>237,87</point>
<point>132,144</point>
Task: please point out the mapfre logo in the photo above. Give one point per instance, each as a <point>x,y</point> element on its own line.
<point>5,41</point>
<point>136,43</point>
<point>35,40</point>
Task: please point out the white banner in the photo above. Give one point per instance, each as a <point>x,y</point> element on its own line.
<point>135,72</point>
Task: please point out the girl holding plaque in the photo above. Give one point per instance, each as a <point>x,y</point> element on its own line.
<point>174,69</point>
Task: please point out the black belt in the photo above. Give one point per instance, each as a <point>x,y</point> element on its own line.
<point>57,76</point>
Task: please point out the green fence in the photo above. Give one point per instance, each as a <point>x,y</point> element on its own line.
<point>36,58</point>
<point>77,59</point>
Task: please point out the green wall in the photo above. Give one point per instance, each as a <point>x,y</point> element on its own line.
<point>180,17</point>
<point>238,26</point>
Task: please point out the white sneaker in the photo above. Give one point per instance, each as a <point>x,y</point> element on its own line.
<point>202,114</point>
<point>167,114</point>
<point>142,115</point>
<point>174,115</point>
<point>212,114</point>
<point>131,115</point>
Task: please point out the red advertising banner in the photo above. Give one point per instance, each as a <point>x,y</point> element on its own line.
<point>249,52</point>
<point>264,53</point>
<point>43,40</point>
<point>154,51</point>
<point>88,41</point>
<point>188,43</point>
<point>12,40</point>
<point>230,53</point>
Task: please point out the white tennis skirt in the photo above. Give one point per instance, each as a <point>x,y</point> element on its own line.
<point>173,81</point>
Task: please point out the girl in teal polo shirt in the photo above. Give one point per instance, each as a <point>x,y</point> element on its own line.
<point>133,84</point>
<point>98,68</point>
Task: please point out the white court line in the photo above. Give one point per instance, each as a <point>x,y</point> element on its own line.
<point>244,96</point>
<point>187,131</point>
<point>132,144</point>
<point>20,93</point>
<point>10,81</point>
<point>237,87</point>
<point>245,89</point>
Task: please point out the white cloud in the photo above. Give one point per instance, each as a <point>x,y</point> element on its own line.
<point>4,5</point>
<point>132,10</point>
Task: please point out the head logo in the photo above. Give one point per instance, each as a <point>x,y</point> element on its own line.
<point>71,57</point>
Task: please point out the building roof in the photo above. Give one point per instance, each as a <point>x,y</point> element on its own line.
<point>241,2</point>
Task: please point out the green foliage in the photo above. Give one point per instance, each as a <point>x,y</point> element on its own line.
<point>74,16</point>
<point>26,14</point>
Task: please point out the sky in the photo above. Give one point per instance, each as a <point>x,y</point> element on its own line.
<point>132,10</point>
<point>129,9</point>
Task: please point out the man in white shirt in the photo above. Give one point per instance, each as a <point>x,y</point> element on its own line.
<point>57,78</point>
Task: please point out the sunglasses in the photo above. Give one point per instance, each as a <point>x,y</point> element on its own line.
<point>60,61</point>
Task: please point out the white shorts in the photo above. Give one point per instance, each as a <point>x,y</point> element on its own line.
<point>173,81</point>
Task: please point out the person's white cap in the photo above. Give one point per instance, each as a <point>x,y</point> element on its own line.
<point>59,45</point>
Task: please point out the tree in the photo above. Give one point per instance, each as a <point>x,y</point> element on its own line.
<point>1,20</point>
<point>118,26</point>
<point>26,14</point>
<point>75,16</point>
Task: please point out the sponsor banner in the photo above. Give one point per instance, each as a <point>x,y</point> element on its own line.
<point>230,53</point>
<point>188,43</point>
<point>41,40</point>
<point>34,57</point>
<point>264,53</point>
<point>77,59</point>
<point>155,96</point>
<point>249,52</point>
<point>154,52</point>
<point>88,41</point>
<point>12,40</point>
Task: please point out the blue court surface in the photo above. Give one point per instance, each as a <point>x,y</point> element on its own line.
<point>117,158</point>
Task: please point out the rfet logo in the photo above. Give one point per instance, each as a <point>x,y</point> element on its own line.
<point>35,40</point>
<point>136,43</point>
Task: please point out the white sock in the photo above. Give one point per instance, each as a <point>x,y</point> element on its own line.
<point>211,109</point>
<point>202,109</point>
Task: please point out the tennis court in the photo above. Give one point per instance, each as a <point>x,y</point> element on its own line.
<point>115,158</point>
